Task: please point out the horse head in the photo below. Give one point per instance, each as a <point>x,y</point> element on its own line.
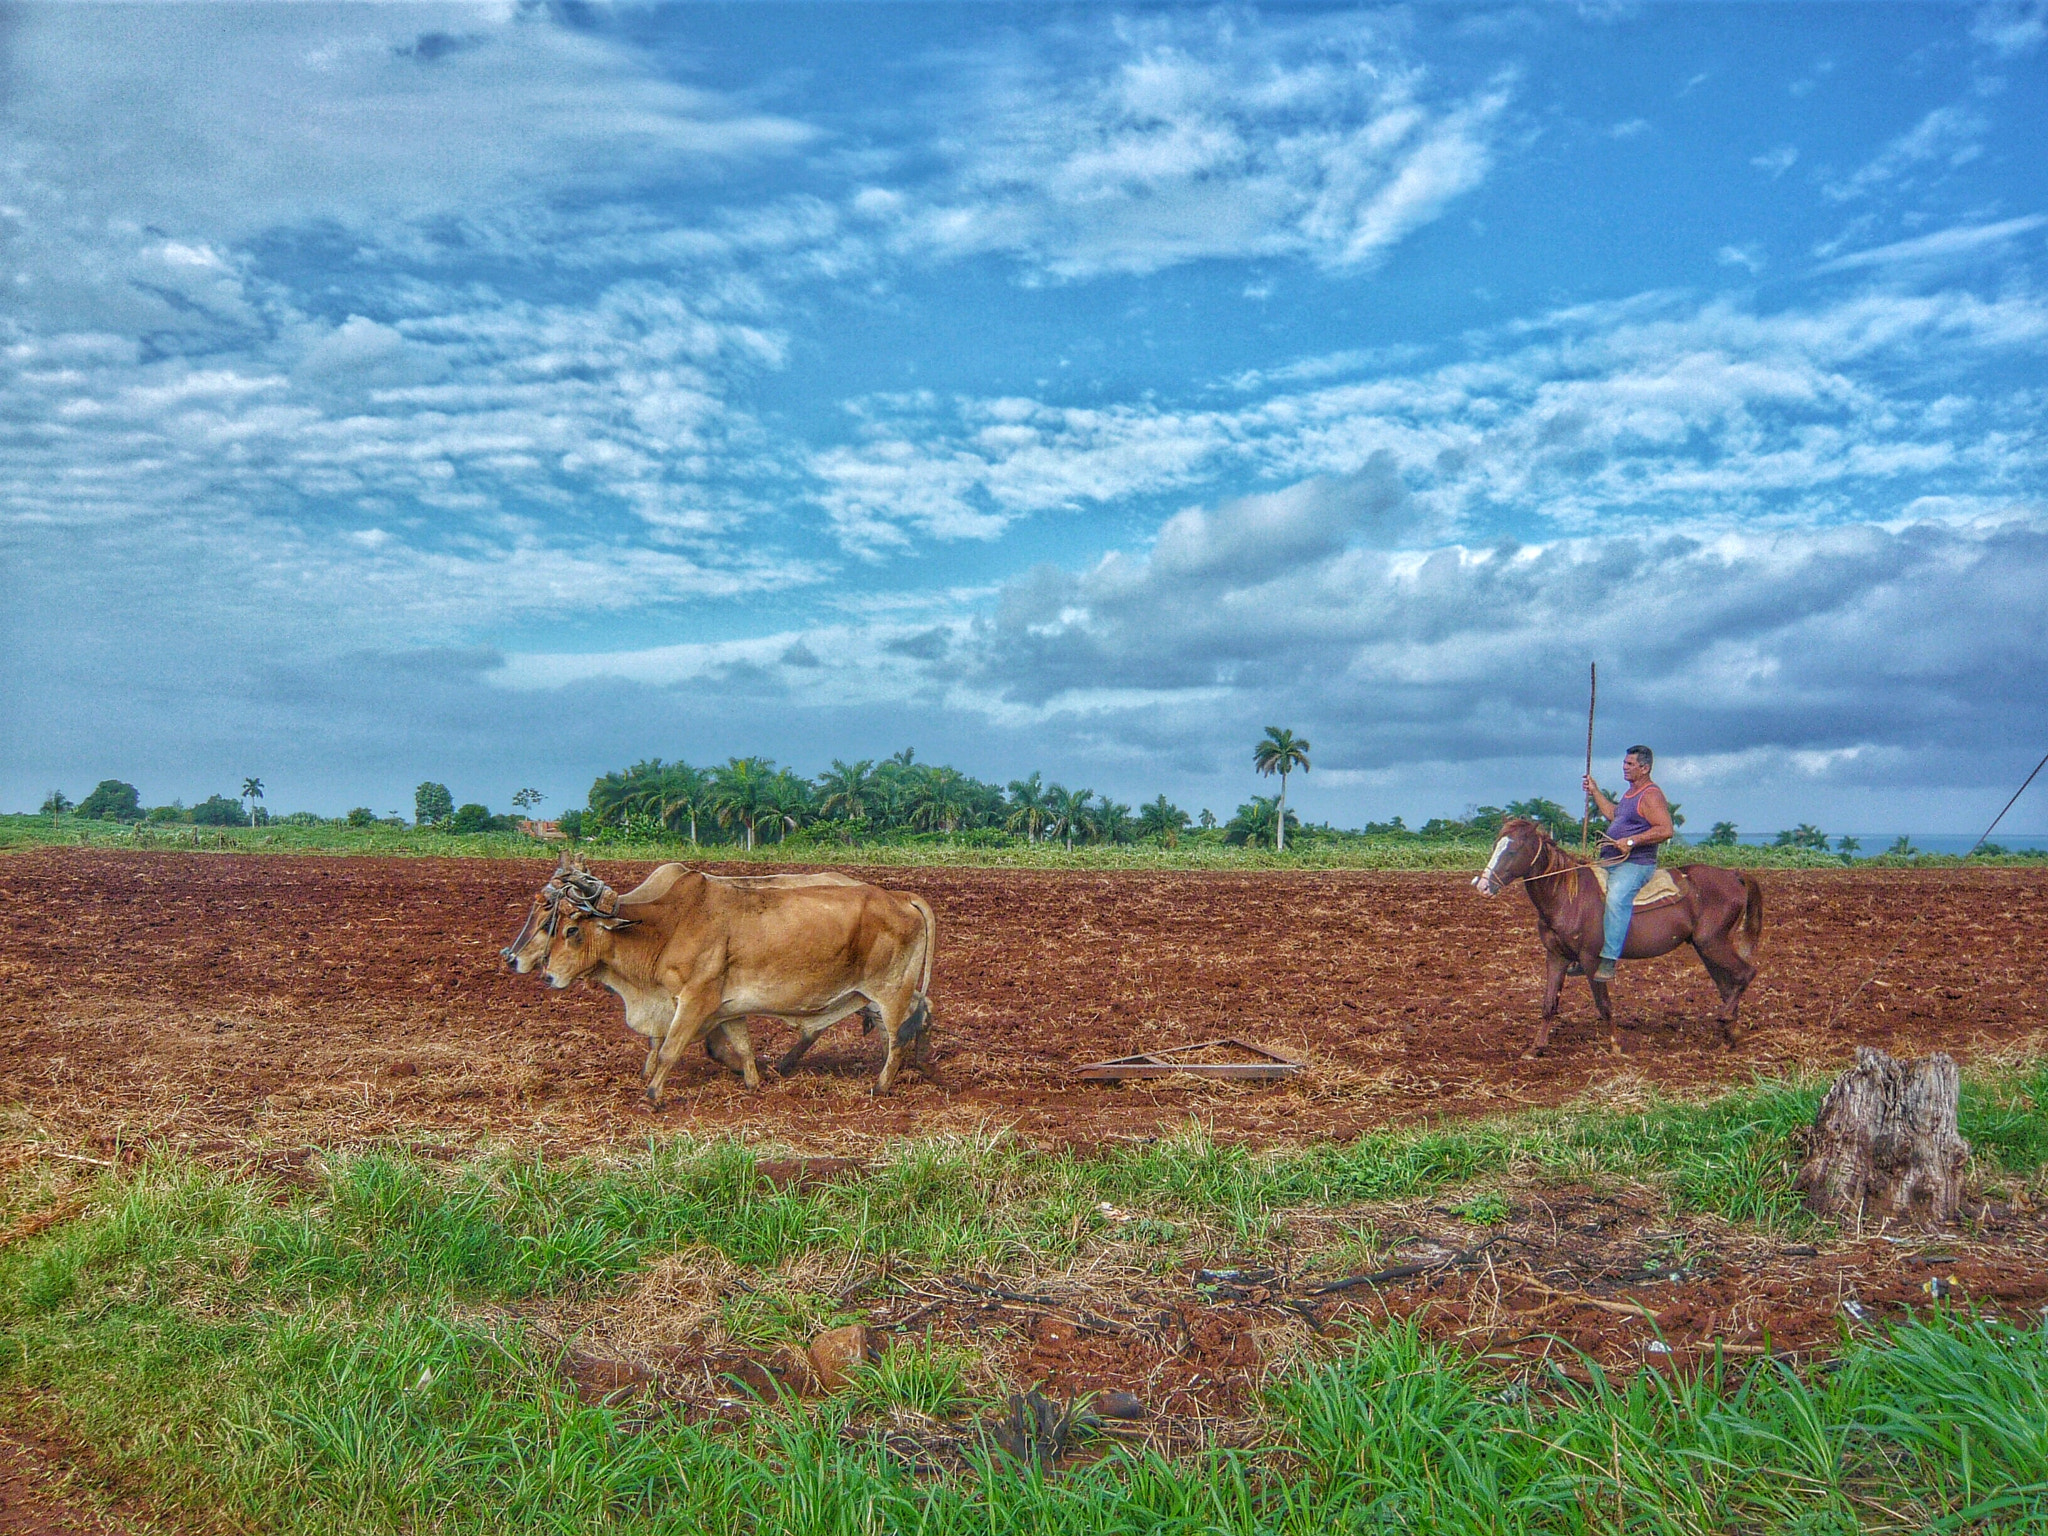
<point>1519,850</point>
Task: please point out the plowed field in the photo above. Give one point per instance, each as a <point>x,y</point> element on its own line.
<point>316,999</point>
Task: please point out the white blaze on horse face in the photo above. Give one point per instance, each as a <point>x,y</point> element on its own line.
<point>1485,881</point>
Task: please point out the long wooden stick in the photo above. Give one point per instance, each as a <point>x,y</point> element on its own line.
<point>1586,816</point>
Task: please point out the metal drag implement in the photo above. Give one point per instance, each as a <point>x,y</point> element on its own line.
<point>1171,1059</point>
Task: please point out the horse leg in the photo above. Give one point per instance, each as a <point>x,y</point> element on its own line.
<point>1553,987</point>
<point>1732,975</point>
<point>1601,1002</point>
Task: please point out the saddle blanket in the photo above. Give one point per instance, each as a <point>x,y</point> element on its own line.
<point>1659,888</point>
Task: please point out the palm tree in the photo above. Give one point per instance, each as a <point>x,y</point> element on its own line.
<point>743,791</point>
<point>790,801</point>
<point>1260,819</point>
<point>1113,821</point>
<point>1164,820</point>
<point>526,799</point>
<point>891,789</point>
<point>844,789</point>
<point>1281,752</point>
<point>1069,812</point>
<point>637,789</point>
<point>940,799</point>
<point>252,791</point>
<point>1805,835</point>
<point>1028,807</point>
<point>680,793</point>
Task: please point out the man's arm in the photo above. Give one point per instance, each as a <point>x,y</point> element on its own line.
<point>1606,805</point>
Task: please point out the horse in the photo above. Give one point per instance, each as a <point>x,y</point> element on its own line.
<point>1720,912</point>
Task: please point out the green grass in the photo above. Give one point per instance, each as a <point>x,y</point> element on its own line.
<point>913,851</point>
<point>327,1412</point>
<point>351,1357</point>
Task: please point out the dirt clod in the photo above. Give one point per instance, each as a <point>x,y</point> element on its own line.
<point>836,1352</point>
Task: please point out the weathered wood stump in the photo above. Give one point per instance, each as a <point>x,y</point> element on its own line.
<point>1884,1144</point>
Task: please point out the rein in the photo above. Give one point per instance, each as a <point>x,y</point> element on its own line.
<point>1568,865</point>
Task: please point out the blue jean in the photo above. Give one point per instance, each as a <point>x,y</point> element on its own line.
<point>1623,881</point>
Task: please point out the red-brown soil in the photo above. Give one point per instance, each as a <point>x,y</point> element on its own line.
<point>321,999</point>
<point>34,1497</point>
<point>235,1003</point>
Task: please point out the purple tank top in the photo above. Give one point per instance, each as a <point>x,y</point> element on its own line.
<point>1630,822</point>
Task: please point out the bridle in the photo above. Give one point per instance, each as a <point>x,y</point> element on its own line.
<point>1566,868</point>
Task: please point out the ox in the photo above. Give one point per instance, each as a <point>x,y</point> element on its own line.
<point>649,1009</point>
<point>810,954</point>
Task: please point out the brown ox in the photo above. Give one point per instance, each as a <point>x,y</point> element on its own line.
<point>722,949</point>
<point>649,1009</point>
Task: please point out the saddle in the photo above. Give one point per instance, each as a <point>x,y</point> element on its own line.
<point>1657,890</point>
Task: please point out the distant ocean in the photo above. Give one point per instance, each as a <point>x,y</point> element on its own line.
<point>1923,842</point>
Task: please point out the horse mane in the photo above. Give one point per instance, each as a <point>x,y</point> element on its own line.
<point>1551,848</point>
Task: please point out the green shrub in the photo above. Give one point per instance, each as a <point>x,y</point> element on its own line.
<point>432,804</point>
<point>472,818</point>
<point>219,811</point>
<point>112,800</point>
<point>362,816</point>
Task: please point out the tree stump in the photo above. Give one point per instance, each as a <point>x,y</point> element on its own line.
<point>1884,1144</point>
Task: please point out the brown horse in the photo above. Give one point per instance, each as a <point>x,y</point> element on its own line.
<point>1720,912</point>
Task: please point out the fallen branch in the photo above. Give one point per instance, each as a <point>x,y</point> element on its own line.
<point>1410,1271</point>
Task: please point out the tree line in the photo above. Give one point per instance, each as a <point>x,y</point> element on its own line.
<point>752,800</point>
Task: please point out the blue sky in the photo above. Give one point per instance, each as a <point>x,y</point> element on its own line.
<point>501,394</point>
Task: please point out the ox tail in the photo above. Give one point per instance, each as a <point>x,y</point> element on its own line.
<point>931,943</point>
<point>1752,918</point>
<point>919,1018</point>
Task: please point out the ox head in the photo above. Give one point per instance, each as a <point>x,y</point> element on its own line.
<point>574,901</point>
<point>1513,856</point>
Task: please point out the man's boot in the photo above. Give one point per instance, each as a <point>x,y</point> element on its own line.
<point>1605,971</point>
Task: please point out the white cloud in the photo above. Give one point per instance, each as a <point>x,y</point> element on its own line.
<point>1942,246</point>
<point>1655,408</point>
<point>287,113</point>
<point>1777,161</point>
<point>1176,138</point>
<point>2011,31</point>
<point>1950,136</point>
<point>1788,644</point>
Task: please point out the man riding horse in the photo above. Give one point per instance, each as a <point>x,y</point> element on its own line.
<point>1637,823</point>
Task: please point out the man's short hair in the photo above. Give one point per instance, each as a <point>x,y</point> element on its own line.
<point>1649,758</point>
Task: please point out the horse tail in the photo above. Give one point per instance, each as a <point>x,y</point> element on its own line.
<point>1752,927</point>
